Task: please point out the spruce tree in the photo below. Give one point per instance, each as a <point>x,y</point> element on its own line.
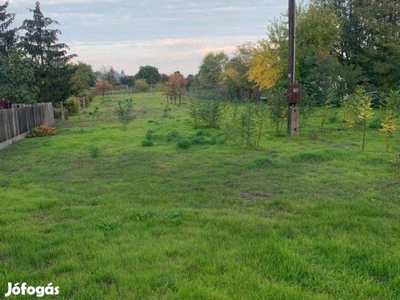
<point>7,36</point>
<point>40,43</point>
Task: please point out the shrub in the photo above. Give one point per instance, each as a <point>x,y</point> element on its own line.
<point>72,106</point>
<point>149,135</point>
<point>172,136</point>
<point>198,140</point>
<point>94,152</point>
<point>166,110</point>
<point>141,85</point>
<point>124,112</point>
<point>42,131</point>
<point>205,113</point>
<point>147,143</point>
<point>94,113</point>
<point>90,97</point>
<point>183,144</point>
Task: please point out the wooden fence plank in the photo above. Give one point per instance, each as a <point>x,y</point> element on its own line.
<point>15,123</point>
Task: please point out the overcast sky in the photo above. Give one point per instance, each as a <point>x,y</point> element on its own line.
<point>172,35</point>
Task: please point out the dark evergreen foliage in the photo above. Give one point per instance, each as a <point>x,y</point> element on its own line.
<point>40,43</point>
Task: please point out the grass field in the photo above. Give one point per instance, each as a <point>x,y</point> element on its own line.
<point>100,216</point>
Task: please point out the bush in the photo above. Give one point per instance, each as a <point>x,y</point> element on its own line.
<point>94,152</point>
<point>72,106</point>
<point>90,97</point>
<point>205,113</point>
<point>198,140</point>
<point>124,112</point>
<point>183,144</point>
<point>172,136</point>
<point>147,143</point>
<point>42,131</point>
<point>141,85</point>
<point>149,135</point>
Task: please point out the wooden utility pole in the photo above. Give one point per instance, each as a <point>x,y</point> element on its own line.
<point>294,90</point>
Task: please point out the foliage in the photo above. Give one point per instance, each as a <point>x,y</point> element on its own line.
<point>95,113</point>
<point>90,97</point>
<point>50,58</point>
<point>16,78</point>
<point>124,112</point>
<point>72,106</point>
<point>277,108</point>
<point>318,30</point>
<point>183,144</point>
<point>102,87</point>
<point>147,143</point>
<point>235,81</point>
<point>245,125</point>
<point>175,88</point>
<point>128,80</point>
<point>324,112</point>
<point>172,136</point>
<point>107,74</point>
<point>94,151</point>
<point>369,38</point>
<point>205,113</point>
<point>350,108</point>
<point>149,73</point>
<point>389,122</point>
<point>141,85</point>
<point>365,112</point>
<point>42,131</point>
<point>211,70</point>
<point>7,36</point>
<point>390,114</point>
<point>266,67</point>
<point>231,83</point>
<point>83,77</point>
<point>165,111</point>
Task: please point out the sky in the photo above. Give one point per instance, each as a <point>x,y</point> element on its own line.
<point>171,35</point>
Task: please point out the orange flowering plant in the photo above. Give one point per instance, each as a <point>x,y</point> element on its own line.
<point>42,131</point>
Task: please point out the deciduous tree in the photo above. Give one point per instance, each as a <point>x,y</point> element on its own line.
<point>175,88</point>
<point>102,87</point>
<point>149,73</point>
<point>17,78</point>
<point>235,79</point>
<point>266,67</point>
<point>83,77</point>
<point>370,39</point>
<point>211,69</point>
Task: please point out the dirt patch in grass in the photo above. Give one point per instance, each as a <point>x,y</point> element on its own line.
<point>254,196</point>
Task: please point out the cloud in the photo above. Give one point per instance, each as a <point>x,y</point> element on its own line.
<point>58,2</point>
<point>234,9</point>
<point>74,16</point>
<point>169,34</point>
<point>168,55</point>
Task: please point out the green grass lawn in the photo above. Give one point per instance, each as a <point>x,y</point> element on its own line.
<point>103,217</point>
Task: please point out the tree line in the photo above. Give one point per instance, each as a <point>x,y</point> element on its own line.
<point>340,44</point>
<point>34,65</point>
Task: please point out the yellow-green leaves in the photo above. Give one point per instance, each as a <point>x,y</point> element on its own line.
<point>266,67</point>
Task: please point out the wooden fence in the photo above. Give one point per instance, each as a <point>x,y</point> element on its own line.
<point>15,123</point>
